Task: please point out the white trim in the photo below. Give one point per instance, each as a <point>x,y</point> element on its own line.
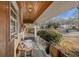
<point>15,5</point>
<point>13,18</point>
<point>14,11</point>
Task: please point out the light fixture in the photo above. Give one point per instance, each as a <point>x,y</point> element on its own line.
<point>30,9</point>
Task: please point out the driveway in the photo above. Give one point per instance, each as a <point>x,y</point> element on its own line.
<point>70,43</point>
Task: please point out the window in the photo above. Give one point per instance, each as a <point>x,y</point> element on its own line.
<point>13,21</point>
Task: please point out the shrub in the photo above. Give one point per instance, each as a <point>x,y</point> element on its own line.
<point>53,36</point>
<point>54,25</point>
<point>44,34</point>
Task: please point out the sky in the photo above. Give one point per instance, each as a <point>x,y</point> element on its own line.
<point>67,14</point>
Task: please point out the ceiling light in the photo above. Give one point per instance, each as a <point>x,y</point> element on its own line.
<point>30,9</point>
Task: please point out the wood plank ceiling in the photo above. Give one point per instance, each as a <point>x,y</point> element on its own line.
<point>33,9</point>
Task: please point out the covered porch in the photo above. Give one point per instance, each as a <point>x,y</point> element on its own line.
<point>20,22</point>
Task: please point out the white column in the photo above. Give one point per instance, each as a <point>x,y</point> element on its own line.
<point>36,37</point>
<point>35,31</point>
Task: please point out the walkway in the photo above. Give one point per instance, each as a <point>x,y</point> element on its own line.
<point>36,50</point>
